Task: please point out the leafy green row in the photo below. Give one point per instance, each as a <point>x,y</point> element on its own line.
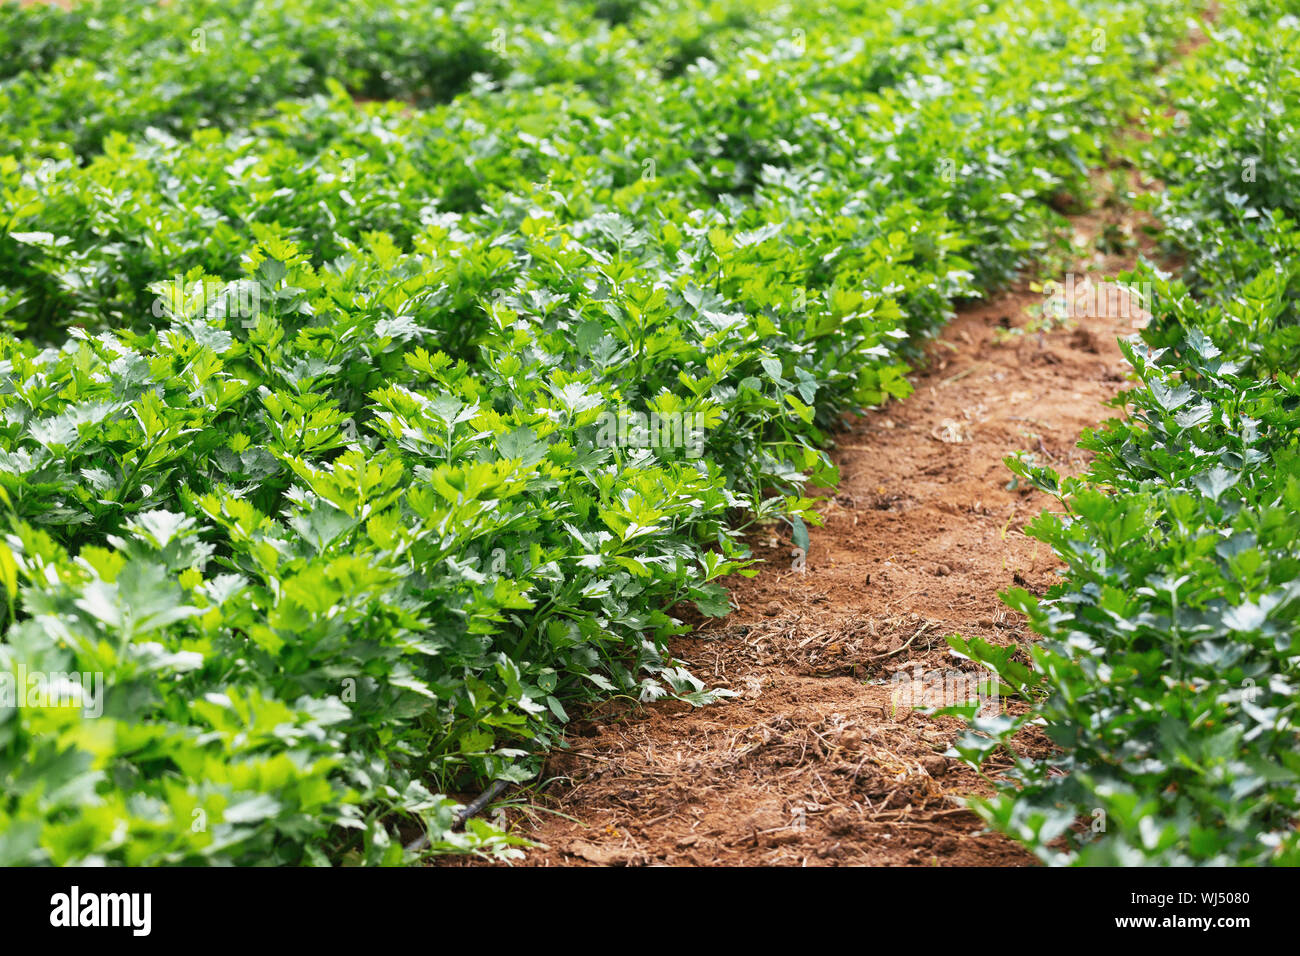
<point>98,237</point>
<point>86,245</point>
<point>358,526</point>
<point>1168,674</point>
<point>131,65</point>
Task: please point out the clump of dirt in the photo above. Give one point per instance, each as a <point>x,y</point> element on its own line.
<point>822,758</point>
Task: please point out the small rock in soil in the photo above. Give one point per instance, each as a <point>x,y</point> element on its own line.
<point>767,820</point>
<point>935,765</point>
<point>601,855</point>
<point>781,838</point>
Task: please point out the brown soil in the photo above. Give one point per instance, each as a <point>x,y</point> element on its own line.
<point>820,760</point>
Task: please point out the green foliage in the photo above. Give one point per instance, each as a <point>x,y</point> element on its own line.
<point>1168,674</point>
<point>331,433</point>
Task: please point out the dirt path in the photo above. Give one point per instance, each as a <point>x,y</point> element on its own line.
<point>817,762</point>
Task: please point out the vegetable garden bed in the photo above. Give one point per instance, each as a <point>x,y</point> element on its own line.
<point>329,333</point>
